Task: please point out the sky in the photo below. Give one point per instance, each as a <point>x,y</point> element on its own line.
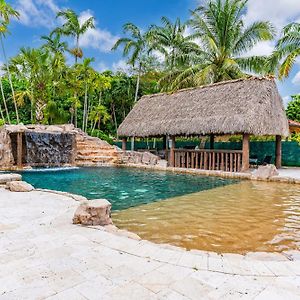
<point>37,18</point>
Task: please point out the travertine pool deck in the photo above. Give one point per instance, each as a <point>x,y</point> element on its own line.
<point>44,256</point>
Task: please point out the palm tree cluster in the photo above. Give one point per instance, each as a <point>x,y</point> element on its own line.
<point>212,46</point>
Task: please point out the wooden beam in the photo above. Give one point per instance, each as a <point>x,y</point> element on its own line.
<point>172,152</point>
<point>132,143</point>
<point>211,141</point>
<point>246,152</point>
<point>124,144</point>
<point>19,149</point>
<point>278,152</point>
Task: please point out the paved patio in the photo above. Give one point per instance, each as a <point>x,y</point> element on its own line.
<point>42,255</point>
<point>290,172</point>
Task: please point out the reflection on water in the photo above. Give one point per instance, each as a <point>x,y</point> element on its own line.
<point>249,216</point>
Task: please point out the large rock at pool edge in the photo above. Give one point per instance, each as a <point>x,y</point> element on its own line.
<point>19,186</point>
<point>265,172</point>
<point>93,212</point>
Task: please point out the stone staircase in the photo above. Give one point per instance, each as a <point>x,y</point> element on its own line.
<point>92,151</point>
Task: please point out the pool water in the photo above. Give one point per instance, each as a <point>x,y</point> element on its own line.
<point>194,212</point>
<point>245,217</point>
<point>123,187</point>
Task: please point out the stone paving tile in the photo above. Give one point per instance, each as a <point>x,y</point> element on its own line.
<point>67,294</point>
<point>192,288</point>
<point>168,294</point>
<point>46,256</point>
<point>95,288</point>
<point>132,291</point>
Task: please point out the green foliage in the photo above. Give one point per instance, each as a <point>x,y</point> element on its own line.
<point>287,51</point>
<point>2,122</point>
<point>296,137</point>
<point>40,87</point>
<point>101,135</point>
<point>293,109</point>
<point>224,40</point>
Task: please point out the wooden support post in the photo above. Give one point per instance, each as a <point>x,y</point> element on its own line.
<point>132,143</point>
<point>164,142</point>
<point>19,149</point>
<point>278,152</point>
<point>211,141</point>
<point>172,152</point>
<point>124,144</point>
<point>246,152</point>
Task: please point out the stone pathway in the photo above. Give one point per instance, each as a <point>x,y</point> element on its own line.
<point>44,256</point>
<point>290,173</point>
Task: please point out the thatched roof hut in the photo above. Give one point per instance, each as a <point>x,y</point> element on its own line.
<point>251,106</point>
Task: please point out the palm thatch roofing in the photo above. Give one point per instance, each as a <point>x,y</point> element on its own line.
<point>251,105</point>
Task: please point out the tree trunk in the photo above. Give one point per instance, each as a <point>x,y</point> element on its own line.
<point>84,108</point>
<point>87,114</point>
<point>39,115</point>
<point>115,120</point>
<point>10,81</point>
<point>4,102</point>
<point>138,83</point>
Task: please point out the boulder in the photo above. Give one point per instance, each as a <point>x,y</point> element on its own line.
<point>19,186</point>
<point>93,212</point>
<point>265,172</point>
<point>4,178</point>
<point>146,158</point>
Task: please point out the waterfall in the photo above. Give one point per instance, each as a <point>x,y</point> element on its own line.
<point>49,149</point>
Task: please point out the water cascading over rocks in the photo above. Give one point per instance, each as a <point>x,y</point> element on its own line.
<point>52,149</point>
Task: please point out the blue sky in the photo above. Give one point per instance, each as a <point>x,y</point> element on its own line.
<point>38,18</point>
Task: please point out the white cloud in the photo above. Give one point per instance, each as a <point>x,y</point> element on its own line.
<point>296,79</point>
<point>262,48</point>
<point>102,66</point>
<point>278,12</point>
<point>121,65</point>
<point>96,38</point>
<point>37,12</point>
<point>286,100</point>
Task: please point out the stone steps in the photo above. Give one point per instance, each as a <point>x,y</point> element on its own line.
<point>93,152</point>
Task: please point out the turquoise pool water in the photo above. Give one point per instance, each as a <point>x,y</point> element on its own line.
<point>123,187</point>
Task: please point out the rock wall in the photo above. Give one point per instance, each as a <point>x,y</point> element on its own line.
<point>139,158</point>
<point>54,145</point>
<point>6,156</point>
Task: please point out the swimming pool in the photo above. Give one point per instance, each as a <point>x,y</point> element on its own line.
<point>194,212</point>
<point>123,187</point>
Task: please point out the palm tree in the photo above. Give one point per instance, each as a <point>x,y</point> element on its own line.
<point>73,27</point>
<point>86,73</point>
<point>171,41</point>
<point>54,44</point>
<point>287,49</point>
<point>99,115</point>
<point>35,65</point>
<point>136,47</point>
<point>6,12</point>
<point>224,42</point>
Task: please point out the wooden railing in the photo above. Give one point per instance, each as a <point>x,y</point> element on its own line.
<point>224,160</point>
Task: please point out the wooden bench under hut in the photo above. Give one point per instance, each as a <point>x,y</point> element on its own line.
<point>244,107</point>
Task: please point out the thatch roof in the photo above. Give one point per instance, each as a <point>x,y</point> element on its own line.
<point>250,105</point>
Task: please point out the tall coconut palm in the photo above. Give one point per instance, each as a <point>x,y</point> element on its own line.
<point>287,49</point>
<point>85,72</point>
<point>224,42</point>
<point>171,41</point>
<point>6,13</point>
<point>73,27</point>
<point>136,47</point>
<point>54,44</point>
